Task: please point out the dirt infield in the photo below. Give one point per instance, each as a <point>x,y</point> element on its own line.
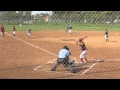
<point>32,58</point>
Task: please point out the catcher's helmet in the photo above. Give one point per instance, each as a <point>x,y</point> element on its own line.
<point>66,47</point>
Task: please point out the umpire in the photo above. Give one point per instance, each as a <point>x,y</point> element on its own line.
<point>63,58</point>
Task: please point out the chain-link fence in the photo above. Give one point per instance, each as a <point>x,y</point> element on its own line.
<point>49,35</point>
<point>80,20</point>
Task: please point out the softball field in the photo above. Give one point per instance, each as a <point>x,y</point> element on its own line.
<point>32,58</point>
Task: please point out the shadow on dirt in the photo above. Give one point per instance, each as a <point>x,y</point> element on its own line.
<point>113,41</point>
<point>80,69</point>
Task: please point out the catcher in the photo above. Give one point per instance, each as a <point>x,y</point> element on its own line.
<point>82,45</point>
<point>64,58</point>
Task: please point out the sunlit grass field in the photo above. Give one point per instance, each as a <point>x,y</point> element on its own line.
<point>62,26</point>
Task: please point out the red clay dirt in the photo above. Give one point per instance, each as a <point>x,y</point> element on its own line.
<point>24,58</point>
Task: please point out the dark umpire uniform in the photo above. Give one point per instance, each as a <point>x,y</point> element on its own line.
<point>63,58</point>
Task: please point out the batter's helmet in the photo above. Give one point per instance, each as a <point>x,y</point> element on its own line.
<point>80,39</point>
<point>66,47</point>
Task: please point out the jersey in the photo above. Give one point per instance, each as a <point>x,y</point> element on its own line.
<point>29,31</point>
<point>14,29</point>
<point>106,33</point>
<point>2,29</point>
<point>70,27</point>
<point>83,46</point>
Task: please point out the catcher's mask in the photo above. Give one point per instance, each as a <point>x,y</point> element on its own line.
<point>65,47</point>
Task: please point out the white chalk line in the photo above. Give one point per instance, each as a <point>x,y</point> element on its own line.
<point>44,64</point>
<point>33,45</point>
<point>57,72</point>
<point>113,60</point>
<point>37,48</point>
<point>89,68</point>
<point>55,55</point>
<point>51,61</point>
<point>118,60</point>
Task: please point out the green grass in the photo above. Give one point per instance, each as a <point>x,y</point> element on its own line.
<point>62,26</point>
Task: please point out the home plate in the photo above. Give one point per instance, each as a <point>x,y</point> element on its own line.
<point>51,62</point>
<point>100,60</point>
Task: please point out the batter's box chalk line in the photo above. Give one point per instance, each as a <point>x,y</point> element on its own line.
<point>37,69</point>
<point>111,60</point>
<point>97,61</point>
<point>51,62</point>
<point>57,72</point>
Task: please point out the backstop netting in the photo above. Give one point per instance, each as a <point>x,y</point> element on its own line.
<point>50,32</point>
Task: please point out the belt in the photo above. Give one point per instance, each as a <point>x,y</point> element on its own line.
<point>61,58</point>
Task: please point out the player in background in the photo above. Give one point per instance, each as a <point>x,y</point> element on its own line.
<point>2,29</point>
<point>106,36</point>
<point>29,32</point>
<point>82,46</point>
<point>20,24</point>
<point>69,28</point>
<point>14,30</point>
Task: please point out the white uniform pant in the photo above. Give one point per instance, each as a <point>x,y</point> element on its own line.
<point>83,54</point>
<point>14,32</point>
<point>29,34</point>
<point>106,36</point>
<point>70,30</point>
<point>1,33</point>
